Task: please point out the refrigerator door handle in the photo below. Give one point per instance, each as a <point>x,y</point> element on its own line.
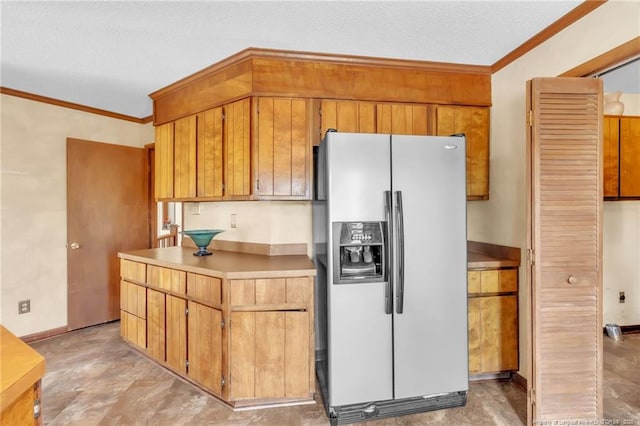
<point>388,290</point>
<point>400,248</point>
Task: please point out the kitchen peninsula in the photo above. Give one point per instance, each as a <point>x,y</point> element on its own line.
<point>238,325</point>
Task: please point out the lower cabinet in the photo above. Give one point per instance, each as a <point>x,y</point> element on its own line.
<point>133,313</point>
<point>255,345</point>
<point>493,321</point>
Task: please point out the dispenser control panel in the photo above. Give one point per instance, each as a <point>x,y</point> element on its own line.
<point>361,233</point>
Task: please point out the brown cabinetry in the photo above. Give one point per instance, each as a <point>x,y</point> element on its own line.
<point>621,157</point>
<point>133,303</point>
<point>493,320</point>
<point>271,340</point>
<point>419,119</point>
<point>474,123</point>
<point>283,160</point>
<point>265,353</point>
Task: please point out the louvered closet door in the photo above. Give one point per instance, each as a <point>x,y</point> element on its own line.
<point>565,205</point>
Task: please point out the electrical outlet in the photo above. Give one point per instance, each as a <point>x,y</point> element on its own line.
<point>195,208</point>
<point>621,296</point>
<point>234,221</point>
<point>24,306</point>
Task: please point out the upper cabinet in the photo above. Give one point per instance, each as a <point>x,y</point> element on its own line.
<point>244,128</point>
<point>474,123</point>
<point>417,119</point>
<point>283,160</point>
<point>621,162</point>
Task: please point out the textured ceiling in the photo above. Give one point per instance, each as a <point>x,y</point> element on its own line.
<point>111,55</point>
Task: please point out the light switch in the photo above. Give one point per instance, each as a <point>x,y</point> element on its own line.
<point>234,223</point>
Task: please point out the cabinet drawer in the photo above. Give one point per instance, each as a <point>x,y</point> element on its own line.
<point>167,279</point>
<point>492,281</point>
<point>130,270</point>
<point>133,299</point>
<point>272,291</point>
<point>204,288</point>
<point>133,329</point>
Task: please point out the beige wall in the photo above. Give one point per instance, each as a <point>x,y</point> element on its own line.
<point>268,222</point>
<point>33,229</point>
<point>502,219</point>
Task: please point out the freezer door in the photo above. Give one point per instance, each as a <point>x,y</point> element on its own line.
<point>430,315</point>
<point>359,331</point>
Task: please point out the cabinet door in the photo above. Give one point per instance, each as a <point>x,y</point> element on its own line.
<point>283,166</point>
<point>401,119</point>
<point>176,328</point>
<point>499,335</point>
<point>184,185</point>
<point>474,123</point>
<point>348,116</point>
<point>205,346</point>
<point>210,153</point>
<point>629,156</point>
<point>164,161</point>
<point>611,156</point>
<point>475,333</point>
<point>167,279</point>
<point>156,324</point>
<point>237,144</point>
<point>133,329</point>
<point>270,354</point>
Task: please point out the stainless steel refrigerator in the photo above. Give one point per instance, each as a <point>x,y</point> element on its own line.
<point>391,252</point>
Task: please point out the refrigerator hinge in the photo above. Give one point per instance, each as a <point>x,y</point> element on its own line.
<point>530,118</point>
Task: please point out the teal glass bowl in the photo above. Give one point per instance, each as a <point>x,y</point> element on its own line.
<point>202,238</point>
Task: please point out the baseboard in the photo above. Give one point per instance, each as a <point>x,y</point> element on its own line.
<point>44,334</point>
<point>519,381</point>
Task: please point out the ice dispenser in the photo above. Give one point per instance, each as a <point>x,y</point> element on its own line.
<point>359,252</point>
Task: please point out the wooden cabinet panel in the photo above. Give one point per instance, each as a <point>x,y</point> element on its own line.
<point>205,346</point>
<point>474,335</point>
<point>135,271</point>
<point>272,291</point>
<point>156,324</point>
<point>611,156</point>
<point>499,338</point>
<point>492,281</point>
<point>270,354</point>
<point>493,334</point>
<point>164,161</point>
<point>20,411</point>
<point>347,116</point>
<point>242,355</point>
<point>133,299</point>
<point>630,156</point>
<point>474,123</point>
<point>237,130</point>
<point>401,119</point>
<point>167,279</point>
<point>176,333</point>
<point>210,179</point>
<point>283,147</point>
<point>133,329</point>
<point>206,289</point>
<point>184,185</point>
<point>493,320</point>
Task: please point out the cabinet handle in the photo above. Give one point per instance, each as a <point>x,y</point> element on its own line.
<point>572,279</point>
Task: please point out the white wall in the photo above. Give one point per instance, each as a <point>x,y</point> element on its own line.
<point>502,219</point>
<point>33,212</point>
<point>267,222</point>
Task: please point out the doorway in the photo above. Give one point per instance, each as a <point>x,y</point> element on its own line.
<point>107,212</point>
